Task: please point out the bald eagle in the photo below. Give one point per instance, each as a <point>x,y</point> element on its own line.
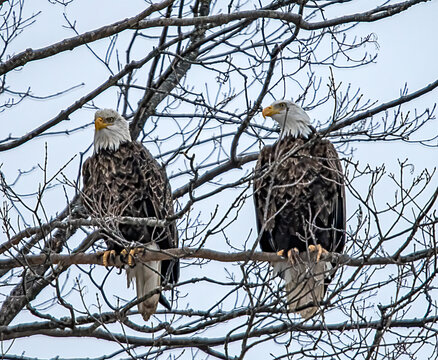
<point>300,205</point>
<point>122,178</point>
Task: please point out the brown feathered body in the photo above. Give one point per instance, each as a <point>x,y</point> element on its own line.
<point>300,201</point>
<point>129,182</point>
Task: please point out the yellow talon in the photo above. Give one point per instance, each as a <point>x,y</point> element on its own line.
<point>131,261</point>
<point>106,255</point>
<point>320,250</point>
<point>131,254</point>
<point>292,255</point>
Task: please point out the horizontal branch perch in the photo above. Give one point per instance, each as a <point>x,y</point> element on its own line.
<point>194,253</point>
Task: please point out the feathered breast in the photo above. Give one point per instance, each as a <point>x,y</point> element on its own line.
<point>298,192</point>
<point>122,182</point>
<point>130,182</point>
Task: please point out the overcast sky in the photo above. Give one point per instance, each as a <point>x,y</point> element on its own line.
<point>407,53</point>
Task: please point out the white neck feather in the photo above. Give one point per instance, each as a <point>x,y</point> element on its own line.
<point>293,121</point>
<point>296,128</point>
<point>111,138</point>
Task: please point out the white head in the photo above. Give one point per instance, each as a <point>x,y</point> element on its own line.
<point>292,119</point>
<point>111,130</point>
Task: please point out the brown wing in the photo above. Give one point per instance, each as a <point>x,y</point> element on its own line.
<point>299,196</point>
<point>130,182</point>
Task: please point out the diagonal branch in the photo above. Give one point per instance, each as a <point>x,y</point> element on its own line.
<point>171,77</point>
<point>34,281</point>
<point>63,115</point>
<point>71,43</point>
<point>383,107</point>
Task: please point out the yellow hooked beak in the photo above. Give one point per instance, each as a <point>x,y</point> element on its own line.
<point>269,111</point>
<point>99,124</point>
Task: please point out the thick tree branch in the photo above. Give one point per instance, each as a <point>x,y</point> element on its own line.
<point>171,77</point>
<point>25,330</point>
<point>71,43</point>
<point>210,175</point>
<point>221,19</point>
<point>137,22</point>
<point>195,253</point>
<point>63,115</point>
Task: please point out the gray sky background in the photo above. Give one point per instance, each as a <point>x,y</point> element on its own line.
<point>407,54</point>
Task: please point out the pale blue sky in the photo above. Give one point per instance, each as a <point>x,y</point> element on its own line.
<point>407,54</point>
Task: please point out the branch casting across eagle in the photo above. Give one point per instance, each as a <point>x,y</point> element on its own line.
<point>300,205</point>
<point>122,179</point>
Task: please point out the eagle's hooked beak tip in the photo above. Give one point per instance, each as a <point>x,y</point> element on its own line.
<point>267,111</point>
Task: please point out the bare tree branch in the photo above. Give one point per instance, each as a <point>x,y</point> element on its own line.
<point>215,20</point>
<point>196,253</point>
<point>192,77</point>
<point>69,44</point>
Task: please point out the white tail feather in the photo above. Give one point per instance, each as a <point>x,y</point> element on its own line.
<point>147,278</point>
<point>304,282</point>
